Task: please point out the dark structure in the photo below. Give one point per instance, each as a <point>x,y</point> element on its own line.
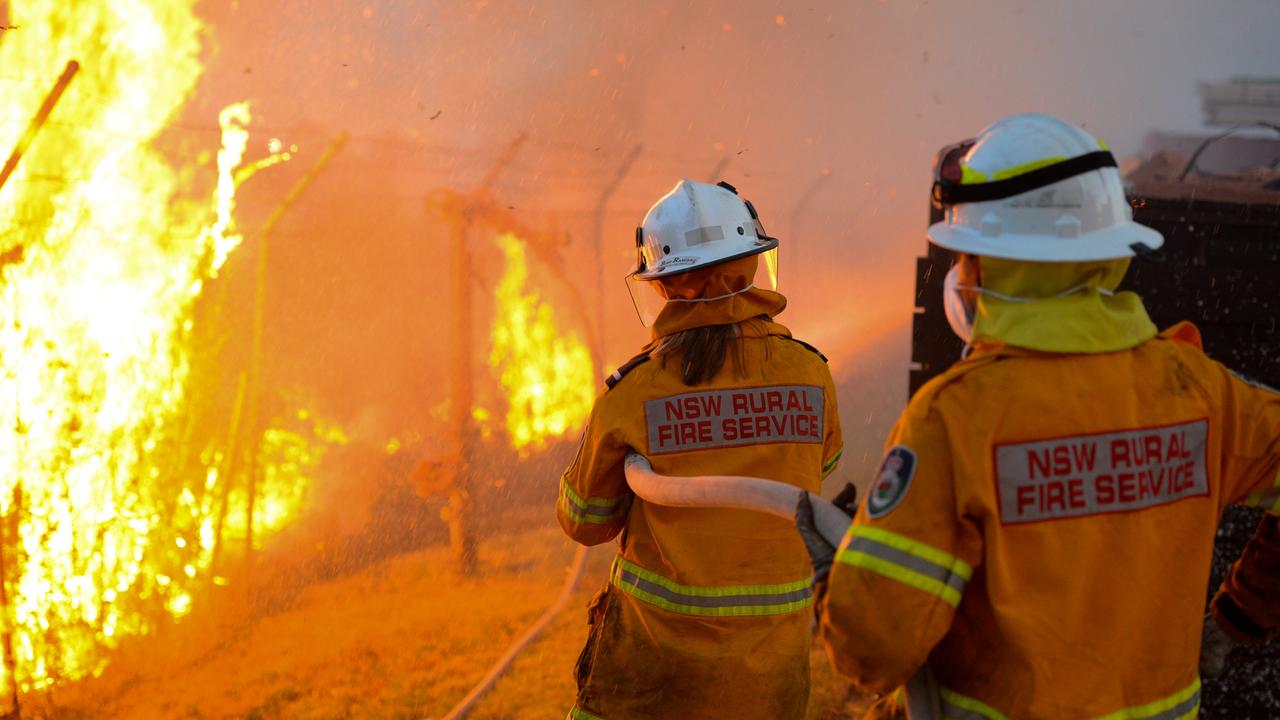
<point>1222,271</point>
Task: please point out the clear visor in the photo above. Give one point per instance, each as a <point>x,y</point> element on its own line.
<point>651,296</point>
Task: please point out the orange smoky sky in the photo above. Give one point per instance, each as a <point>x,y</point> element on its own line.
<point>825,114</point>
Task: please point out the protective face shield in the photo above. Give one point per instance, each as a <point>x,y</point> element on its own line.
<point>706,284</point>
<point>959,308</point>
<point>690,230</point>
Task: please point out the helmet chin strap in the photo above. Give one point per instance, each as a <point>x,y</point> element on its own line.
<point>1013,298</point>
<point>749,286</point>
<point>961,315</point>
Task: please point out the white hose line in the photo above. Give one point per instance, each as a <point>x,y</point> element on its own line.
<point>733,491</point>
<point>504,663</point>
<point>774,498</point>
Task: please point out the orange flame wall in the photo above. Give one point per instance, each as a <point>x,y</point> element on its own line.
<point>107,497</point>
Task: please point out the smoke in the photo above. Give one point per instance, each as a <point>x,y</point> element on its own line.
<point>826,115</point>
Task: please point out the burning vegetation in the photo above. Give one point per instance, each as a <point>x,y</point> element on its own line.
<point>545,372</point>
<point>128,486</point>
<point>187,509</point>
<point>118,505</point>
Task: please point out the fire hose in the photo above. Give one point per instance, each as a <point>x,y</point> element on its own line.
<point>462,709</point>
<point>774,498</point>
<point>719,491</point>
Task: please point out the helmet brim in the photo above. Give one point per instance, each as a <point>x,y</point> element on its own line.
<point>770,244</point>
<point>1110,243</point>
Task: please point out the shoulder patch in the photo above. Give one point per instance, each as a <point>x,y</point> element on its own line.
<point>892,481</point>
<point>809,347</point>
<point>627,367</point>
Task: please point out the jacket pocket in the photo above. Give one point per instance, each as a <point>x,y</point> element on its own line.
<point>595,623</point>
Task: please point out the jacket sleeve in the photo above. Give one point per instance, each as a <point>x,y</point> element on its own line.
<point>901,569</point>
<point>1251,442</point>
<point>1247,606</point>
<point>833,436</point>
<point>594,497</point>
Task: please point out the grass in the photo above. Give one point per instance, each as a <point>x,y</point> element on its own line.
<point>400,639</point>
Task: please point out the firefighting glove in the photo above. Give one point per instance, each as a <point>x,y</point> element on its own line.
<point>1215,646</point>
<point>821,552</point>
<point>847,499</point>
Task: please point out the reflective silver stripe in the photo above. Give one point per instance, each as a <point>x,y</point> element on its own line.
<point>591,510</point>
<point>1178,711</point>
<point>740,600</point>
<point>958,707</point>
<point>941,573</point>
<point>594,510</point>
<point>714,601</point>
<point>830,465</point>
<point>705,234</point>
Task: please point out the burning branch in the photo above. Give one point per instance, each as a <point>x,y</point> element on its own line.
<point>461,210</point>
<point>38,121</point>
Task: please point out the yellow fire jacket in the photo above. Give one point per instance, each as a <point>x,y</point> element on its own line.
<point>1041,530</point>
<point>707,612</point>
<point>1247,606</point>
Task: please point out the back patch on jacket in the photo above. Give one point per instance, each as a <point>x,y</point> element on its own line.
<point>1102,473</point>
<point>735,417</point>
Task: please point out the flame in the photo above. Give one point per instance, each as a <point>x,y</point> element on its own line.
<point>545,372</point>
<point>105,531</point>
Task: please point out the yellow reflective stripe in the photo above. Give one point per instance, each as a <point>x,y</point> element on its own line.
<point>916,564</point>
<point>960,707</point>
<point>906,576</point>
<point>597,511</point>
<point>1102,145</point>
<point>581,517</point>
<point>594,502</point>
<point>921,550</point>
<point>1025,168</point>
<point>830,465</point>
<point>727,601</point>
<point>578,713</point>
<point>1268,499</point>
<point>1183,704</point>
<point>969,176</point>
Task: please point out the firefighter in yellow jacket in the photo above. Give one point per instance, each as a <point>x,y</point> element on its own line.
<point>1041,529</point>
<point>1246,610</point>
<point>707,612</point>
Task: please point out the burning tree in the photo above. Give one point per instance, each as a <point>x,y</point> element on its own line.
<point>546,373</point>
<point>109,500</point>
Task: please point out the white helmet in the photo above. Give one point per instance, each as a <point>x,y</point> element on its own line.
<point>697,225</point>
<point>1033,187</point>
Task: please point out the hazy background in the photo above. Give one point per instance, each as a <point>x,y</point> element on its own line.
<point>827,113</point>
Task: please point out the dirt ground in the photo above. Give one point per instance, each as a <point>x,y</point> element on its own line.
<point>400,639</point>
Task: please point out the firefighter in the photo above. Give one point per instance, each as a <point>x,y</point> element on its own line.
<point>1246,610</point>
<point>707,611</point>
<point>1038,538</point>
